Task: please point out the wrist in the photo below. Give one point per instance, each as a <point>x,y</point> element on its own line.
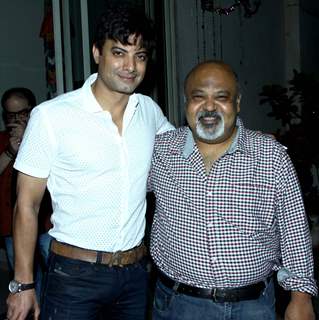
<point>16,286</point>
<point>300,297</point>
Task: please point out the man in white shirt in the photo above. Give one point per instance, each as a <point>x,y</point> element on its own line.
<point>92,148</point>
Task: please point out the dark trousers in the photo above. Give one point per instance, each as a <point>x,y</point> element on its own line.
<point>80,290</point>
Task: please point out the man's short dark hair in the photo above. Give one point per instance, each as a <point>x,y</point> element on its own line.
<point>23,93</point>
<point>119,23</point>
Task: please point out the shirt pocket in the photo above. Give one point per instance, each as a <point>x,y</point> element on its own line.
<point>249,208</point>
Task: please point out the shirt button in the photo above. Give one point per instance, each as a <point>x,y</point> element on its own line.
<point>210,224</point>
<point>210,193</point>
<point>214,259</point>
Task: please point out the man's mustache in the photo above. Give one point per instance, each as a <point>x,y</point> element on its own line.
<point>210,114</point>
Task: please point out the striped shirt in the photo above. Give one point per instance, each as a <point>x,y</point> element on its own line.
<point>234,226</point>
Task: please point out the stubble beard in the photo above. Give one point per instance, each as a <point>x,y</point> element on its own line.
<point>114,82</point>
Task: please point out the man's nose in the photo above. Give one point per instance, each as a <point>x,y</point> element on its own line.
<point>130,64</point>
<point>210,104</point>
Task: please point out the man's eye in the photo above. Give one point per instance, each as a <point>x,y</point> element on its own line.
<point>222,98</point>
<point>197,98</point>
<point>142,57</point>
<point>117,53</point>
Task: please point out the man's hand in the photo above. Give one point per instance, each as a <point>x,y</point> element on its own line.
<point>16,134</point>
<point>300,307</point>
<point>21,304</point>
<point>14,144</point>
<point>17,129</point>
<point>30,191</point>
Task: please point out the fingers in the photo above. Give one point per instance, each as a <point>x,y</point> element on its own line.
<point>14,125</point>
<point>36,315</point>
<point>16,133</point>
<point>16,129</point>
<point>20,304</point>
<point>14,144</point>
<point>13,313</point>
<point>21,315</point>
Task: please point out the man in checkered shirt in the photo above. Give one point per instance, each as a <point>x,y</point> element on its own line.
<point>229,213</point>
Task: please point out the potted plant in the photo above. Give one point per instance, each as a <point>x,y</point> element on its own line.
<point>297,107</point>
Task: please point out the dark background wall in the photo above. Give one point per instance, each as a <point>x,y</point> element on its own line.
<point>21,48</point>
<point>263,49</point>
<point>309,40</point>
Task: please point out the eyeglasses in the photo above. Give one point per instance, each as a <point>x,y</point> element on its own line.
<point>17,115</point>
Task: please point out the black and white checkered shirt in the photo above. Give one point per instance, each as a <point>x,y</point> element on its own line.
<point>235,226</point>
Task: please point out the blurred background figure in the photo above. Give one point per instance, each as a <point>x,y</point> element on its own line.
<point>17,104</point>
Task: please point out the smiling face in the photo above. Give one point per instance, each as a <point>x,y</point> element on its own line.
<point>121,68</point>
<point>212,102</point>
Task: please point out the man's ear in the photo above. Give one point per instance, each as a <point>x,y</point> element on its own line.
<point>96,54</point>
<point>238,100</point>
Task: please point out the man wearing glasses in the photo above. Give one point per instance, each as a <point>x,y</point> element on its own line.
<point>17,104</point>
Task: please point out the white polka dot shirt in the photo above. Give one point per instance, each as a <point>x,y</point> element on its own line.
<point>96,177</point>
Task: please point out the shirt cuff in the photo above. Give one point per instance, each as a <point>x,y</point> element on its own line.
<point>293,282</point>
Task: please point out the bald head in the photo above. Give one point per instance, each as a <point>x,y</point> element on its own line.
<point>211,66</point>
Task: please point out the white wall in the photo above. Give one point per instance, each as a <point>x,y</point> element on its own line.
<point>21,52</point>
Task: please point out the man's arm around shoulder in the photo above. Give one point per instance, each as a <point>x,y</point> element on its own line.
<point>30,191</point>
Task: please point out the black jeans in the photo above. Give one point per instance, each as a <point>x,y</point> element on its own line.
<point>80,290</point>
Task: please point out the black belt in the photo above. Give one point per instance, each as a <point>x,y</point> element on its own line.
<point>219,295</point>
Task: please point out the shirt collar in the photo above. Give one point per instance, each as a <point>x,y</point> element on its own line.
<point>89,102</point>
<point>240,142</point>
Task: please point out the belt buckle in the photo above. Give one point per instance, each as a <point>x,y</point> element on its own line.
<point>213,295</point>
<point>116,258</point>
